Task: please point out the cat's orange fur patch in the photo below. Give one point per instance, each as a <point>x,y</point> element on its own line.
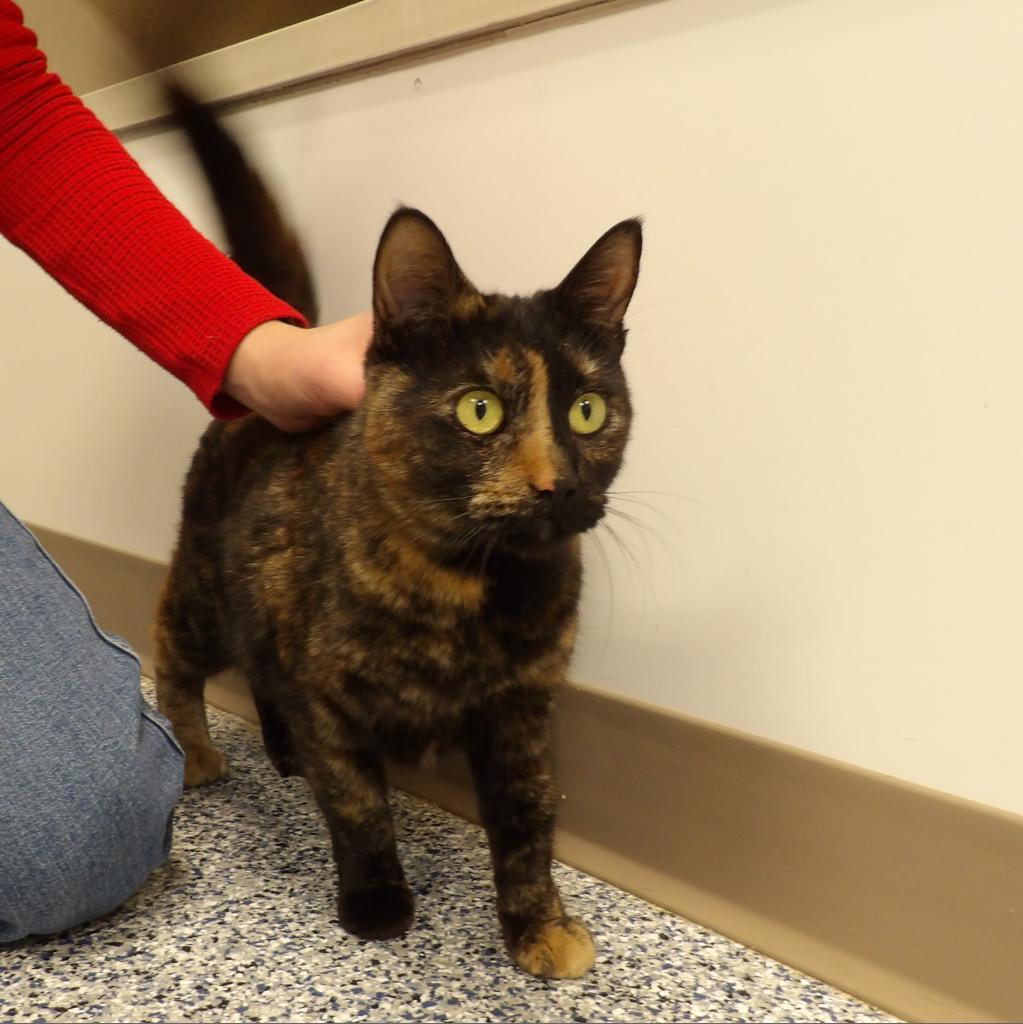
<point>536,451</point>
<point>445,585</point>
<point>562,949</point>
<point>355,795</point>
<point>502,368</point>
<point>203,764</point>
<point>468,304</point>
<point>585,363</point>
<point>551,661</point>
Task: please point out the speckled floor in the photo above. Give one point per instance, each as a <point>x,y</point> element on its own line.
<point>239,926</point>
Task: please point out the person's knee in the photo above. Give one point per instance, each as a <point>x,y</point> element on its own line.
<point>84,848</point>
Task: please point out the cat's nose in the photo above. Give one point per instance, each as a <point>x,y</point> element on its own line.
<point>557,491</point>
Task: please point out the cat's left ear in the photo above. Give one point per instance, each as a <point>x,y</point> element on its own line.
<point>599,287</point>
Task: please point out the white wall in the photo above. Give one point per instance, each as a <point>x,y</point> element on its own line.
<point>826,350</point>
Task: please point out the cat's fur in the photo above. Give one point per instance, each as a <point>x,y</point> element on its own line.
<point>392,583</point>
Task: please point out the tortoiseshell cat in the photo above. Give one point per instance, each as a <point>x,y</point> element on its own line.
<point>407,577</point>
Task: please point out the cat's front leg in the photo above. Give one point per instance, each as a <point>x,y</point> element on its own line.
<point>374,901</point>
<point>509,748</point>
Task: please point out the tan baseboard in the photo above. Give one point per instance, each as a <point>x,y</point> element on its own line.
<point>906,897</point>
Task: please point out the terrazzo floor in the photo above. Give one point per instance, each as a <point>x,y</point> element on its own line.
<point>239,926</point>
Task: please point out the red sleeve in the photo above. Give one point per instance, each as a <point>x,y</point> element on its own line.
<point>76,201</point>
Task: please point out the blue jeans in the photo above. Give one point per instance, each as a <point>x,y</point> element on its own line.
<point>89,775</point>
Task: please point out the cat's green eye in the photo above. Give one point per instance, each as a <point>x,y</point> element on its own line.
<point>480,412</point>
<point>588,413</point>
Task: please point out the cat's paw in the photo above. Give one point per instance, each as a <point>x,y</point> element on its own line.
<point>203,765</point>
<point>377,911</point>
<point>561,948</point>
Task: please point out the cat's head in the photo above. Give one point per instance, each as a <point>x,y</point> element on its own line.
<point>496,419</point>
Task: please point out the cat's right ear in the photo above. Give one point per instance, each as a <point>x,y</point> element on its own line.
<point>415,276</point>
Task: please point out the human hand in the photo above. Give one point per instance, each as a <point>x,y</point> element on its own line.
<point>297,378</point>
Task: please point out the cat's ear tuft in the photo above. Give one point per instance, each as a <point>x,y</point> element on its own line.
<point>415,276</point>
<point>599,287</point>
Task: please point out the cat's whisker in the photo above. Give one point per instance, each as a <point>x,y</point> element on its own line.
<point>646,531</point>
<point>629,558</point>
<point>599,548</point>
<point>489,551</point>
<point>616,496</point>
<point>466,514</point>
<point>635,520</point>
<point>663,494</point>
<point>437,501</point>
<point>593,332</point>
<point>632,563</point>
<point>633,515</point>
<point>652,305</point>
<point>468,542</point>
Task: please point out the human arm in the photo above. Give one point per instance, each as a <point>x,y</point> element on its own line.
<point>76,201</point>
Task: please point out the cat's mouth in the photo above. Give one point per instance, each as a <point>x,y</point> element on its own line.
<point>542,532</point>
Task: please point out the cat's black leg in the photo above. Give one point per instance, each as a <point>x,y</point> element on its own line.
<point>509,747</point>
<point>276,736</point>
<point>374,901</point>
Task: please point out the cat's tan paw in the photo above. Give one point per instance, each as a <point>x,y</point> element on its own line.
<point>204,765</point>
<point>560,949</point>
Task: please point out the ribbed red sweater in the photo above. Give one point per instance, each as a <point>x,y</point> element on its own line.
<point>81,207</point>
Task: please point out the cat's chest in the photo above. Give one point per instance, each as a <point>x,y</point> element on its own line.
<point>396,623</point>
<point>455,649</point>
<point>420,688</point>
<point>448,643</point>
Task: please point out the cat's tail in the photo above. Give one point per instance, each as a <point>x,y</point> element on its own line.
<point>261,241</point>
